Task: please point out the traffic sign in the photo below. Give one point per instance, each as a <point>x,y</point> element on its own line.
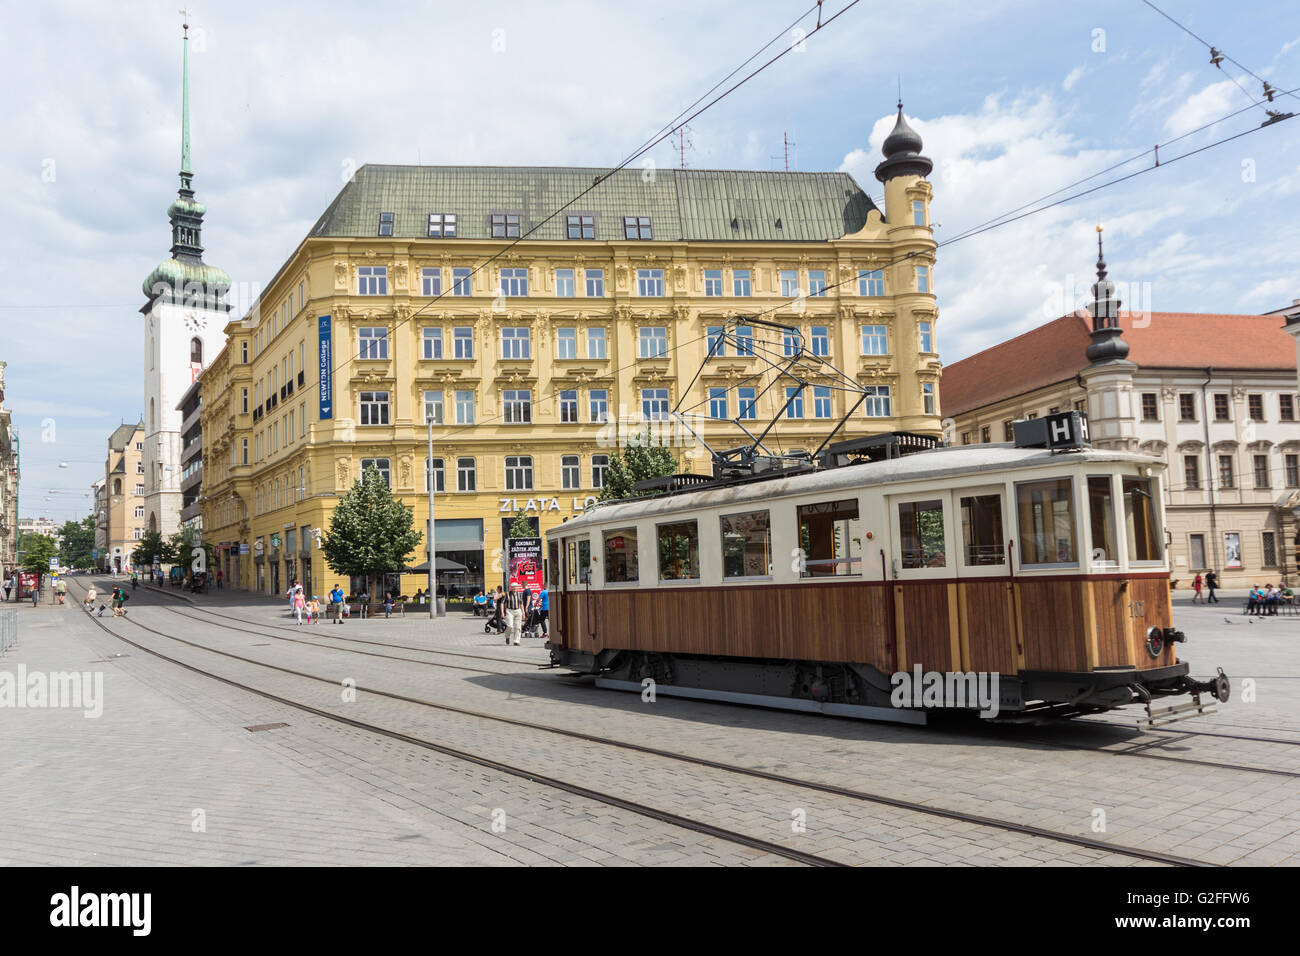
<point>54,564</point>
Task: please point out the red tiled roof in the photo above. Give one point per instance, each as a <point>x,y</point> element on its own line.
<point>1054,352</point>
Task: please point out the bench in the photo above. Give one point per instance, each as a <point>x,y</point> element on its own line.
<point>1270,610</point>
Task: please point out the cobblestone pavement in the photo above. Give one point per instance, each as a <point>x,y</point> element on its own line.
<point>1215,814</point>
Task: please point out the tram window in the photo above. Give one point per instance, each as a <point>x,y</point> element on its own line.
<point>746,544</point>
<point>1045,513</point>
<point>553,566</point>
<point>620,556</point>
<point>579,560</point>
<point>1140,520</point>
<point>830,536</point>
<point>981,530</point>
<point>1101,516</point>
<point>920,526</point>
<point>679,551</point>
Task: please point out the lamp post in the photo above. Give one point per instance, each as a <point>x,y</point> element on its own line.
<point>433,575</point>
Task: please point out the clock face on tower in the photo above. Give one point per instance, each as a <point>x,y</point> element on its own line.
<point>195,322</point>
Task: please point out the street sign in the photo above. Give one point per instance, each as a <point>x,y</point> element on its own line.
<point>54,564</point>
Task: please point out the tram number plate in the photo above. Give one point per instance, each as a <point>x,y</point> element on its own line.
<point>1137,608</point>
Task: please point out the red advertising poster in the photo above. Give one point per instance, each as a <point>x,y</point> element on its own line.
<point>525,563</point>
<point>27,581</point>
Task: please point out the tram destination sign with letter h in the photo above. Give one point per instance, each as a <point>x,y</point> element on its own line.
<point>1059,432</point>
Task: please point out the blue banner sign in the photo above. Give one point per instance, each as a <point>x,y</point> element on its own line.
<point>326,370</point>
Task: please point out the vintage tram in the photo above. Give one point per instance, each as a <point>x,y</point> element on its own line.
<point>827,586</point>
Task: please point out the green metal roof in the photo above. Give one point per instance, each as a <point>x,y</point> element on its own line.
<point>684,204</point>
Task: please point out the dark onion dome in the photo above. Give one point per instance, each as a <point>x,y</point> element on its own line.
<point>902,149</point>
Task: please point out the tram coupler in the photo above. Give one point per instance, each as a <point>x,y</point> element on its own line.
<point>1219,688</point>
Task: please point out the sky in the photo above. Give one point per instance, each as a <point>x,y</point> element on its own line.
<point>1014,100</point>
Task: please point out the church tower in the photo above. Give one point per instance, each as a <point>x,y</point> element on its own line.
<point>185,316</point>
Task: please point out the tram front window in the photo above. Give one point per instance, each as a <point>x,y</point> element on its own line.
<point>830,536</point>
<point>920,527</point>
<point>1101,518</point>
<point>1140,520</point>
<point>620,556</point>
<point>1045,513</point>
<point>679,551</point>
<point>981,529</point>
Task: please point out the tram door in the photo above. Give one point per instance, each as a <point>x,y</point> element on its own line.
<point>554,584</point>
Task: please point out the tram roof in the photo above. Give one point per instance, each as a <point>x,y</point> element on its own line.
<point>956,461</point>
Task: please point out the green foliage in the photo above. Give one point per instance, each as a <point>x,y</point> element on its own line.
<point>152,544</point>
<point>521,527</point>
<point>638,461</point>
<point>370,531</point>
<point>37,552</point>
<point>78,543</point>
<point>184,547</point>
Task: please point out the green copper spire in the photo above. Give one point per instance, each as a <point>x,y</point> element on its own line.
<point>185,108</point>
<point>185,277</point>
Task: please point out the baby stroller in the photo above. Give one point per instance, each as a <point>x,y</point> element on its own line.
<point>533,623</point>
<point>496,624</point>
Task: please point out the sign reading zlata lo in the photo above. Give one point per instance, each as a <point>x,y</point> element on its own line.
<point>326,369</point>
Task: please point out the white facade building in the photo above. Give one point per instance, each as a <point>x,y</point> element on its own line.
<point>185,316</point>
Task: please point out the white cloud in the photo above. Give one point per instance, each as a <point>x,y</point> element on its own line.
<point>1072,78</point>
<point>1208,103</point>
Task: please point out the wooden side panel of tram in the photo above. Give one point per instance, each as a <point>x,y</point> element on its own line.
<point>988,617</point>
<point>833,622</point>
<point>1052,624</point>
<point>1110,608</point>
<point>927,621</point>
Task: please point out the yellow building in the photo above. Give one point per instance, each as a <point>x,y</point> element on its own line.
<point>124,495</point>
<point>549,337</point>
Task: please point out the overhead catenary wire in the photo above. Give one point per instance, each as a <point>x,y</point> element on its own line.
<point>1213,49</point>
<point>985,227</point>
<point>665,132</point>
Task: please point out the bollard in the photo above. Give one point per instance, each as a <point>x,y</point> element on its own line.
<point>442,607</point>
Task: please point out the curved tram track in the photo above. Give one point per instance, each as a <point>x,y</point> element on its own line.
<point>1025,736</point>
<point>613,800</point>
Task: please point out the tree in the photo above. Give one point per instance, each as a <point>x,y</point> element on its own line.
<point>521,527</point>
<point>78,543</point>
<point>37,553</point>
<point>640,459</point>
<point>184,547</point>
<point>370,531</point>
<point>150,545</point>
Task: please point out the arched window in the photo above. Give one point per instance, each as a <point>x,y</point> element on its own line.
<point>117,486</point>
<point>196,350</point>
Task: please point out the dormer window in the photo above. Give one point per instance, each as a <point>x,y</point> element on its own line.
<point>580,227</point>
<point>442,225</point>
<point>505,225</point>
<point>385,223</point>
<point>636,227</point>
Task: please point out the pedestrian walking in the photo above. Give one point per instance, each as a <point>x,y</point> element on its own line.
<point>36,591</point>
<point>515,603</point>
<point>299,604</point>
<point>313,610</point>
<point>336,604</point>
<point>1212,583</point>
<point>91,596</point>
<point>544,605</point>
<point>61,589</point>
<point>388,604</point>
<point>1196,586</point>
<point>364,600</point>
<point>219,579</point>
<point>9,583</point>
